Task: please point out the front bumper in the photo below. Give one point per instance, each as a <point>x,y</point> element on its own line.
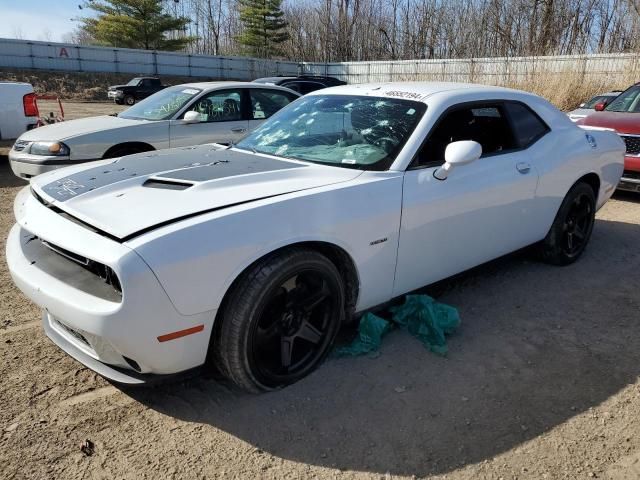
<point>25,165</point>
<point>118,337</point>
<point>115,94</point>
<point>630,181</point>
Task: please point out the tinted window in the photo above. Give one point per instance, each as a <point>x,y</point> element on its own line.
<point>265,103</point>
<point>528,127</point>
<point>219,106</point>
<point>484,124</point>
<point>627,101</point>
<point>304,87</point>
<point>591,104</point>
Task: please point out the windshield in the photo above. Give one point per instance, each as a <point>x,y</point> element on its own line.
<point>162,105</point>
<point>345,131</point>
<point>627,101</point>
<point>133,82</point>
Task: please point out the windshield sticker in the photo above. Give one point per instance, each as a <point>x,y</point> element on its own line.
<point>190,91</point>
<point>407,95</point>
<point>350,161</point>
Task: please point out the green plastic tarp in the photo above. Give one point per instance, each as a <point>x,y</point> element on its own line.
<point>424,318</point>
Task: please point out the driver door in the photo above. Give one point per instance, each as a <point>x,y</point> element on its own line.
<point>480,212</point>
<point>221,120</point>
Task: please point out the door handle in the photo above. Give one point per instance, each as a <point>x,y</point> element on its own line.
<point>523,167</point>
<point>238,130</point>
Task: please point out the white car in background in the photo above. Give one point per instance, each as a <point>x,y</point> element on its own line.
<point>253,255</point>
<point>18,109</point>
<point>189,114</point>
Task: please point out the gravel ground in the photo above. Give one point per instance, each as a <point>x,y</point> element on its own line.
<point>541,382</point>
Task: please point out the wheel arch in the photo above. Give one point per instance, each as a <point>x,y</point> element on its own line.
<point>337,255</point>
<point>593,180</point>
<point>142,146</point>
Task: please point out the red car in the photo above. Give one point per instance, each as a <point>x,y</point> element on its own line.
<point>622,114</point>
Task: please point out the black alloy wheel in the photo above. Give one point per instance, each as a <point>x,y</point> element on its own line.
<point>291,334</point>
<point>280,320</point>
<point>572,227</point>
<point>577,225</point>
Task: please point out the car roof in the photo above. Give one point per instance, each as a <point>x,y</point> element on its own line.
<point>273,79</point>
<point>229,84</point>
<point>409,90</point>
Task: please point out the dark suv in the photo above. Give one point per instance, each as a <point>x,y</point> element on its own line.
<point>304,83</point>
<point>137,89</point>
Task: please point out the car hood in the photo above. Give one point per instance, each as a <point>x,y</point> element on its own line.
<point>113,87</point>
<point>126,197</point>
<point>621,122</point>
<point>74,128</point>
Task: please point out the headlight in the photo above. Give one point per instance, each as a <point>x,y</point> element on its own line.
<point>57,149</point>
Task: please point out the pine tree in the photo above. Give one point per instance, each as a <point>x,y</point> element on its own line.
<point>264,27</point>
<point>135,24</point>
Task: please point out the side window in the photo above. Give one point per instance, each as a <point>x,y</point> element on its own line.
<point>265,103</point>
<point>486,124</point>
<point>295,86</point>
<point>527,126</point>
<point>219,106</point>
<point>308,87</point>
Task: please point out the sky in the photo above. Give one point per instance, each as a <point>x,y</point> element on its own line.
<point>47,20</point>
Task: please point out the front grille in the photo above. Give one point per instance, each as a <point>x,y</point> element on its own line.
<point>631,175</point>
<point>74,333</point>
<point>20,145</point>
<point>632,143</point>
<point>105,272</point>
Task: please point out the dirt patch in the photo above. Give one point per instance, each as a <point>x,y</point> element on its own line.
<point>541,382</point>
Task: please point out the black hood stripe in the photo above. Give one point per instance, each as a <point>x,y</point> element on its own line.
<point>150,228</point>
<point>198,164</point>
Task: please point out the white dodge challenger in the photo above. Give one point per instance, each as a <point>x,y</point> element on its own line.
<point>248,258</point>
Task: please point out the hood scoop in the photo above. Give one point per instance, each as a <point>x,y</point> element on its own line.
<point>166,184</point>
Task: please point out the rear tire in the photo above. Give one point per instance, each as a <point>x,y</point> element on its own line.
<point>280,320</point>
<point>572,227</point>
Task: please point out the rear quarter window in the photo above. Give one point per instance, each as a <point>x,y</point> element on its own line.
<point>528,127</point>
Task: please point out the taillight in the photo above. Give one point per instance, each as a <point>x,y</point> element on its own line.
<point>30,105</point>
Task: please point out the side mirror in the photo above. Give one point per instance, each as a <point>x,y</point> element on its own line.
<point>458,154</point>
<point>600,106</point>
<point>191,117</point>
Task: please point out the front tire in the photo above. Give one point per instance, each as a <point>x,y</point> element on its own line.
<point>280,320</point>
<point>572,227</point>
<point>129,100</point>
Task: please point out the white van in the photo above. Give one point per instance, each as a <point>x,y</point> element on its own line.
<point>18,109</point>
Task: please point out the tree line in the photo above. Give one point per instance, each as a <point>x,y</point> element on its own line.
<point>362,30</point>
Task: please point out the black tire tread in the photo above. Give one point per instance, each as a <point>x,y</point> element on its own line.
<point>548,250</point>
<point>230,352</point>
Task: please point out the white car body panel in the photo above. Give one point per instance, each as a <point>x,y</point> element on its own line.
<point>89,139</point>
<point>177,252</point>
<point>13,121</point>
